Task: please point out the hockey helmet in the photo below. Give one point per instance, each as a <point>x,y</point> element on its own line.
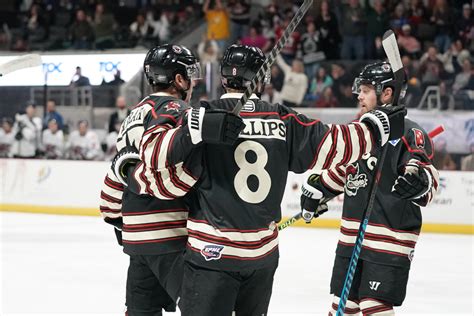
<point>162,63</point>
<point>380,76</point>
<point>239,66</point>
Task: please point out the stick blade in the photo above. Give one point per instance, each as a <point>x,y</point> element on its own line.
<point>390,46</point>
<point>26,61</point>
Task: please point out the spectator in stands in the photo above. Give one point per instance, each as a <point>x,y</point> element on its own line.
<point>399,18</point>
<point>462,79</point>
<point>141,32</point>
<point>269,19</point>
<point>408,43</point>
<point>454,57</point>
<point>53,141</point>
<point>52,114</point>
<point>256,38</point>
<point>431,68</point>
<point>353,29</point>
<point>78,80</point>
<point>326,23</point>
<point>239,11</point>
<point>117,81</point>
<point>311,50</point>
<point>377,24</point>
<point>217,19</point>
<point>295,84</point>
<point>442,17</point>
<point>327,99</point>
<point>442,159</point>
<point>111,142</point>
<point>208,51</point>
<point>104,26</point>
<point>20,45</point>
<point>120,114</point>
<point>160,23</point>
<point>81,33</point>
<point>27,131</point>
<point>6,137</point>
<point>339,76</point>
<point>467,163</point>
<point>465,26</point>
<point>416,13</point>
<point>35,25</point>
<point>84,144</point>
<point>319,83</point>
<point>288,52</point>
<point>278,78</point>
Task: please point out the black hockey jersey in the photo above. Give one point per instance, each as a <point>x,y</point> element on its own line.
<point>149,225</point>
<point>394,224</point>
<point>232,224</point>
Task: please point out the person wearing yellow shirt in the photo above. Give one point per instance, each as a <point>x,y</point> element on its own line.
<point>217,23</point>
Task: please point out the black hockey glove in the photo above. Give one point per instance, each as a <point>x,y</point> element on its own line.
<point>214,126</point>
<point>415,183</point>
<point>125,159</point>
<point>311,199</point>
<point>387,122</point>
<point>118,235</point>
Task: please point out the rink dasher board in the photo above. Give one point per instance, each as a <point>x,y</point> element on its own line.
<point>73,188</point>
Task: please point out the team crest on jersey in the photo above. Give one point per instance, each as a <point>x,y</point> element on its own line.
<point>172,106</point>
<point>419,138</point>
<point>212,252</point>
<point>354,180</point>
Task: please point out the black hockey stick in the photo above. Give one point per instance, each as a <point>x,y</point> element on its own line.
<point>271,58</point>
<point>390,47</point>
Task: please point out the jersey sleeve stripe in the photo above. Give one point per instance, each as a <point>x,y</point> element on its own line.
<point>318,159</point>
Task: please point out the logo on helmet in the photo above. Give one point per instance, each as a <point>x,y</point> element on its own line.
<point>177,49</point>
<point>147,68</point>
<point>234,71</point>
<point>386,68</point>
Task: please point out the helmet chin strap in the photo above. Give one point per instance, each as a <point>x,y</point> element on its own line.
<point>182,92</point>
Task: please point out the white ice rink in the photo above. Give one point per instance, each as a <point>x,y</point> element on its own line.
<point>64,265</point>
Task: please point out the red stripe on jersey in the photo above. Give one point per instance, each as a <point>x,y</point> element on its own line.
<point>313,163</point>
<point>376,309</point>
<point>153,113</point>
<point>347,310</point>
<point>137,242</point>
<point>156,150</point>
<point>238,257</point>
<point>335,178</point>
<point>227,242</point>
<point>149,101</point>
<point>329,187</point>
<point>333,151</point>
<point>298,120</point>
<point>413,150</point>
<point>172,170</point>
<point>362,141</point>
<point>154,226</point>
<point>109,210</point>
<point>259,113</point>
<point>382,225</point>
<point>161,187</point>
<point>113,184</point>
<point>158,211</point>
<point>171,117</point>
<point>229,229</point>
<point>374,249</point>
<point>109,198</point>
<point>378,237</point>
<point>154,128</point>
<point>142,174</point>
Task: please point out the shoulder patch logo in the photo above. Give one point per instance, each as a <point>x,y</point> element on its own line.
<point>212,252</point>
<point>249,106</point>
<point>394,142</point>
<point>419,138</point>
<point>172,106</point>
<point>354,181</point>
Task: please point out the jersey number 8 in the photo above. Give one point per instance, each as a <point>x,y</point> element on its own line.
<point>247,169</point>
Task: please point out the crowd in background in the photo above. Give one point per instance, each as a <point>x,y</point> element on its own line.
<point>316,67</point>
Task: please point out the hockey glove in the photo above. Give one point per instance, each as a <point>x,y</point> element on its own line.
<point>126,158</point>
<point>214,126</point>
<point>118,235</point>
<point>415,183</point>
<point>388,122</point>
<point>311,204</point>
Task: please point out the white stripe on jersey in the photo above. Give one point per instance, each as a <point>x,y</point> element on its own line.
<point>354,142</point>
<point>233,251</point>
<point>324,150</point>
<point>330,182</point>
<point>340,150</point>
<point>402,236</point>
<point>131,219</point>
<point>154,234</point>
<point>377,245</point>
<point>232,236</point>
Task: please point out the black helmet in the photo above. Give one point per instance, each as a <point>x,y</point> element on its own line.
<point>379,75</point>
<point>239,66</point>
<point>163,62</point>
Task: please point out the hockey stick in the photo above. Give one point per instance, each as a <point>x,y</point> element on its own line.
<point>271,58</point>
<point>26,61</point>
<point>435,132</point>
<point>390,47</point>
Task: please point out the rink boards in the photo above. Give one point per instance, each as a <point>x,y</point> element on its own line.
<point>73,188</point>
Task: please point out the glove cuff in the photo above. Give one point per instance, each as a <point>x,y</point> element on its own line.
<point>121,162</point>
<point>311,192</point>
<point>424,173</point>
<point>379,121</point>
<point>195,119</point>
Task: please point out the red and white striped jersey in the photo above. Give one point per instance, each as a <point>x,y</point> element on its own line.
<point>394,224</point>
<point>239,188</point>
<point>149,225</point>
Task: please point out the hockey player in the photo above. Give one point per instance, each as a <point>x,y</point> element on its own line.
<point>152,231</point>
<point>409,181</point>
<point>239,173</point>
